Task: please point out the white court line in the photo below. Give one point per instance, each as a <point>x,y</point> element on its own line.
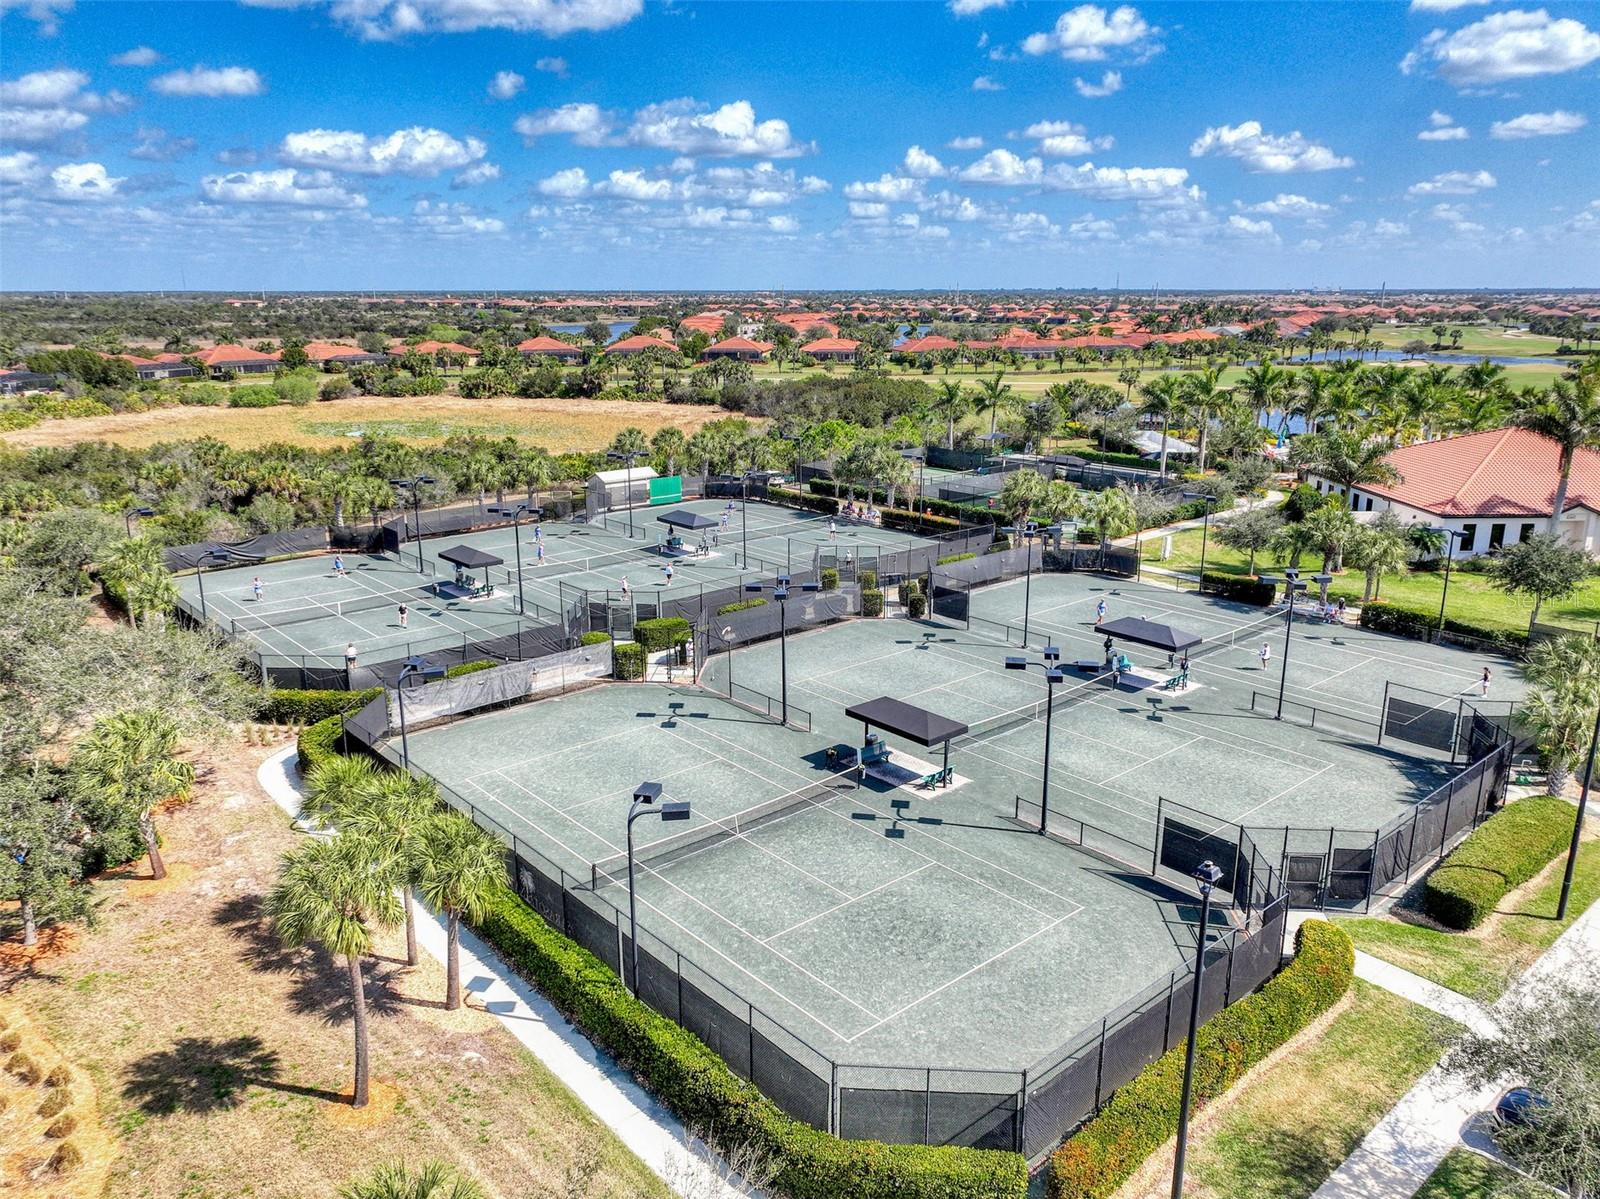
<point>839,907</point>
<point>1240,819</point>
<point>1147,761</point>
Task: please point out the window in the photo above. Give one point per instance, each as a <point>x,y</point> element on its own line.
<point>1497,535</point>
<point>1469,538</point>
<point>1527,532</point>
<point>1369,503</point>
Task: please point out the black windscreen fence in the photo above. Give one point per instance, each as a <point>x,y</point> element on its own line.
<point>245,553</point>
<point>1420,724</point>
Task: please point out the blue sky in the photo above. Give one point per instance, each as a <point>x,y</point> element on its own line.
<point>603,144</point>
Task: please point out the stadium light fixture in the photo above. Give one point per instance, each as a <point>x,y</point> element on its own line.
<point>646,799</point>
<point>1208,876</point>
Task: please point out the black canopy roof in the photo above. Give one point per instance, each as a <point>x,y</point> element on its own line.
<point>467,556</point>
<point>907,720</point>
<point>1147,632</point>
<point>684,519</point>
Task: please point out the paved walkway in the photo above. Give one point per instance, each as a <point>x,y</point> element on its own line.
<point>647,1128</point>
<point>1440,1112</point>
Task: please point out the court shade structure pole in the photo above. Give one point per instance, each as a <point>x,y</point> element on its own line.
<point>200,575</point>
<point>1205,528</point>
<point>415,668</point>
<point>1053,674</point>
<point>627,457</point>
<point>780,592</point>
<point>127,517</point>
<point>1451,536</point>
<point>516,514</point>
<point>645,796</point>
<point>1207,875</point>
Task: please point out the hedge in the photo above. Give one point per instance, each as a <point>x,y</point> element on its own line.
<point>828,578</point>
<point>871,602</point>
<point>287,705</point>
<point>461,668</point>
<point>594,638</point>
<point>316,742</point>
<point>1510,848</point>
<point>949,558</point>
<point>628,659</point>
<point>1143,1115</point>
<point>741,605</point>
<point>1384,616</point>
<point>868,578</point>
<point>700,1089</point>
<point>1244,590</point>
<point>663,632</point>
<point>800,499</point>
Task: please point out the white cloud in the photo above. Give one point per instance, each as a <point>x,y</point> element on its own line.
<point>46,12</point>
<point>139,56</point>
<point>894,188</point>
<point>688,127</point>
<point>1449,133</point>
<point>1244,227</point>
<point>1516,44</point>
<point>985,83</point>
<point>209,81</point>
<point>156,145</point>
<point>38,126</point>
<point>21,167</point>
<point>1453,183</point>
<point>1439,120</point>
<point>1086,33</point>
<point>1002,168</point>
<point>569,184</point>
<point>1456,217</point>
<point>384,19</point>
<point>1267,153</point>
<point>454,219</point>
<point>413,151</point>
<point>783,224</point>
<point>310,189</point>
<point>964,143</point>
<point>83,181</point>
<point>1387,228</point>
<point>632,185</point>
<point>1443,5</point>
<point>237,156</point>
<point>43,89</point>
<point>1110,83</point>
<point>586,124</point>
<point>1289,205</point>
<point>506,84</point>
<point>1063,139</point>
<point>970,8</point>
<point>919,164</point>
<point>1538,124</point>
<point>551,65</point>
<point>868,209</point>
<point>42,106</point>
<point>483,172</point>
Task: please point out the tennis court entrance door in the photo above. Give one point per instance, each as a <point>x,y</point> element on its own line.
<point>1305,873</point>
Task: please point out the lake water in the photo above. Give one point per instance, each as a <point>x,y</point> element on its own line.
<point>618,329</point>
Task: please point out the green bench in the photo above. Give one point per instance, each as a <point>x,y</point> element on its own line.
<point>1177,682</point>
<point>939,778</point>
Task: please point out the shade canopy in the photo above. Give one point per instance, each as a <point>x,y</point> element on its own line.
<point>906,720</point>
<point>682,518</point>
<point>468,557</point>
<point>1147,632</point>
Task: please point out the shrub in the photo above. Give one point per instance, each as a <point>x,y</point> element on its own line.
<point>698,1086</point>
<point>949,558</point>
<point>1142,1115</point>
<point>829,578</point>
<point>868,578</point>
<point>871,602</point>
<point>24,1068</point>
<point>56,1101</point>
<point>628,657</point>
<point>741,605</point>
<point>916,605</point>
<point>317,743</point>
<point>10,1042</point>
<point>67,1158</point>
<point>1241,588</point>
<point>661,633</point>
<point>62,1128</point>
<point>596,638</point>
<point>1385,616</point>
<point>1510,848</point>
<point>254,396</point>
<point>288,705</point>
<point>58,1077</point>
<point>461,668</point>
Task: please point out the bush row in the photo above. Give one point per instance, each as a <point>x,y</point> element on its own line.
<point>741,605</point>
<point>1385,616</point>
<point>871,602</point>
<point>1143,1115</point>
<point>698,1086</point>
<point>1510,848</point>
<point>828,578</point>
<point>1243,589</point>
<point>627,659</point>
<point>661,633</point>
<point>287,705</point>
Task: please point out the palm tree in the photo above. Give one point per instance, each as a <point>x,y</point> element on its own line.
<point>950,404</point>
<point>1162,397</point>
<point>1023,491</point>
<point>433,1180</point>
<point>992,394</point>
<point>1483,377</point>
<point>135,566</point>
<point>1344,458</point>
<point>1333,528</point>
<point>1203,396</point>
<point>1290,543</point>
<point>1111,514</point>
<point>329,894</point>
<point>393,812</point>
<point>460,869</point>
<point>1569,414</point>
<point>127,763</point>
<point>1263,387</point>
<point>337,786</point>
<point>1378,549</point>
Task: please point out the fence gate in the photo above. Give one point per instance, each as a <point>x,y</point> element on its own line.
<point>1304,874</point>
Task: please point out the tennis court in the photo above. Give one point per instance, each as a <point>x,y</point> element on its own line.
<point>881,926</point>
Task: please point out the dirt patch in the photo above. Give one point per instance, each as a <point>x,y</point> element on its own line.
<point>53,942</point>
<point>383,1097</point>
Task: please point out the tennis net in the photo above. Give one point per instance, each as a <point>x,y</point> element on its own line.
<point>251,623</point>
<point>1246,636</point>
<point>712,832</point>
<point>990,725</point>
<point>577,566</point>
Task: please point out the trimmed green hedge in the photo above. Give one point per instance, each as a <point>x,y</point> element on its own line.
<point>698,1086</point>
<point>1384,616</point>
<point>316,743</point>
<point>461,668</point>
<point>871,602</point>
<point>287,705</point>
<point>828,578</point>
<point>1244,590</point>
<point>1510,848</point>
<point>663,632</point>
<point>741,605</point>
<point>949,558</point>
<point>627,659</point>
<point>1143,1115</point>
<point>868,578</point>
<point>594,638</point>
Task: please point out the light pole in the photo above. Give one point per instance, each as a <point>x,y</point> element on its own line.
<point>516,514</point>
<point>780,592</point>
<point>415,668</point>
<point>726,633</point>
<point>127,517</point>
<point>1053,674</point>
<point>1292,585</point>
<point>415,487</point>
<point>1205,528</point>
<point>645,796</point>
<point>1207,875</point>
<point>627,457</point>
<point>1028,532</point>
<point>200,575</point>
<point>1450,536</point>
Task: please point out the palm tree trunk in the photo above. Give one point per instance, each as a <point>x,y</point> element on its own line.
<point>950,435</point>
<point>1561,491</point>
<point>147,830</point>
<point>411,928</point>
<point>358,1009</point>
<point>1166,422</point>
<point>30,923</point>
<point>338,511</point>
<point>452,964</point>
<point>1205,421</point>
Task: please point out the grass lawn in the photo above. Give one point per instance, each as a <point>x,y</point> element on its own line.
<point>220,1059</point>
<point>1472,598</point>
<point>1474,340</point>
<point>1466,1175</point>
<point>1289,1125</point>
<point>1482,963</point>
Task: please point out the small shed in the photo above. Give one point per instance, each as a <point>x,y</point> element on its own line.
<point>620,488</point>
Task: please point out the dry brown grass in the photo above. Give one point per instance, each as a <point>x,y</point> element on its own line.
<point>558,425</point>
<point>40,1115</point>
<point>223,1061</point>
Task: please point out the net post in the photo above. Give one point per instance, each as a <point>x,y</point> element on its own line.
<point>1383,711</point>
<point>927,1106</point>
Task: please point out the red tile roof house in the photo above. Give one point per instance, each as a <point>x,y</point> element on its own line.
<point>239,360</point>
<point>430,348</point>
<point>639,343</point>
<point>162,366</point>
<point>740,349</point>
<point>831,349</point>
<point>931,344</point>
<point>325,353</point>
<point>550,347</point>
<point>1494,488</point>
